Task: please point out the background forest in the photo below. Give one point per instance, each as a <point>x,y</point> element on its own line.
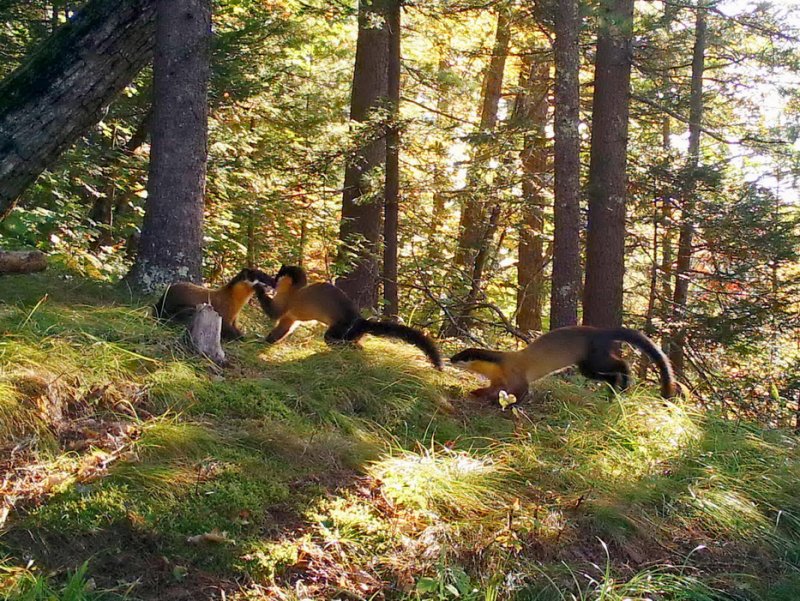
<point>476,128</point>
<point>483,169</point>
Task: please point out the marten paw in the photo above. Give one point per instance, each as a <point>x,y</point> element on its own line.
<point>485,394</point>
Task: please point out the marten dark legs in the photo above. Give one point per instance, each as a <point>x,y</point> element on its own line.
<point>230,332</point>
<point>606,367</point>
<point>281,330</point>
<point>490,393</point>
<point>342,333</point>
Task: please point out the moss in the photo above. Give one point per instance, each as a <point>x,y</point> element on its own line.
<point>82,510</point>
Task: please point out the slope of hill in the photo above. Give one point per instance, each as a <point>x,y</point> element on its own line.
<point>129,469</point>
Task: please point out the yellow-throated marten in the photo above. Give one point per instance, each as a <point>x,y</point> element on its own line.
<point>591,349</point>
<point>179,301</point>
<point>296,300</point>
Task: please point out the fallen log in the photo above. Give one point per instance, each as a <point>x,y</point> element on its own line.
<point>22,261</point>
<point>204,333</point>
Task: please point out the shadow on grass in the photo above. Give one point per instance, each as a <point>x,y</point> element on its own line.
<point>664,486</point>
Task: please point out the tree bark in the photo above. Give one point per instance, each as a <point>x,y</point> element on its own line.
<point>531,111</point>
<point>475,227</point>
<point>684,260</point>
<point>22,261</point>
<point>605,237</point>
<point>566,278</point>
<point>360,227</point>
<point>172,233</point>
<point>62,89</point>
<point>392,185</point>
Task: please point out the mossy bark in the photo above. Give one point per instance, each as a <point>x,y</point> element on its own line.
<point>62,89</point>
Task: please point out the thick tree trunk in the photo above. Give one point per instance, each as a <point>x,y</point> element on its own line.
<point>172,233</point>
<point>531,111</point>
<point>392,185</point>
<point>51,100</point>
<point>566,278</point>
<point>475,227</point>
<point>22,261</point>
<point>360,227</point>
<point>684,260</point>
<point>605,237</point>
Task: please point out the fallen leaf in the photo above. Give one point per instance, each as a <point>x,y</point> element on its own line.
<point>215,536</point>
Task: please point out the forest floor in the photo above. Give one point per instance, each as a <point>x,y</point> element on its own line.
<point>131,470</point>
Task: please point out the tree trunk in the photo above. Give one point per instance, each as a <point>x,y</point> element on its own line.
<point>605,237</point>
<point>22,261</point>
<point>62,89</point>
<point>474,225</point>
<point>172,233</point>
<point>441,177</point>
<point>102,211</point>
<point>649,328</point>
<point>660,301</point>
<point>531,111</point>
<point>566,278</point>
<point>392,185</point>
<point>684,260</point>
<point>360,227</point>
<point>473,215</point>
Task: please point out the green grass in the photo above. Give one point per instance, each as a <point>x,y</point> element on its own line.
<point>360,473</point>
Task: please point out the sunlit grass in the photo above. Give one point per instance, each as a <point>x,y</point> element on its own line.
<point>25,584</point>
<point>366,471</point>
<point>445,482</point>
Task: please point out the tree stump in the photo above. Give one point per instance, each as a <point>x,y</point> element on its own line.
<point>204,333</point>
<point>22,261</point>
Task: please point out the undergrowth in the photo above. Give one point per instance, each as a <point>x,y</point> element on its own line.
<point>133,470</point>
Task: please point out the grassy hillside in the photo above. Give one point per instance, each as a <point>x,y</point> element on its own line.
<point>129,469</point>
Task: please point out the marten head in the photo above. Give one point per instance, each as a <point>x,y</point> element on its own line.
<point>253,277</point>
<point>297,275</point>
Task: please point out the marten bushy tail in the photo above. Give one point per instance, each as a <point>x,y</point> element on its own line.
<point>649,348</point>
<point>387,329</point>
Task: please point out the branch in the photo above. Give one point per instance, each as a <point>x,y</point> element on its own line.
<point>705,130</point>
<point>438,112</point>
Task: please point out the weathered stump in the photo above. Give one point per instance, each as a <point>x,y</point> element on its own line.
<point>204,333</point>
<point>22,261</point>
